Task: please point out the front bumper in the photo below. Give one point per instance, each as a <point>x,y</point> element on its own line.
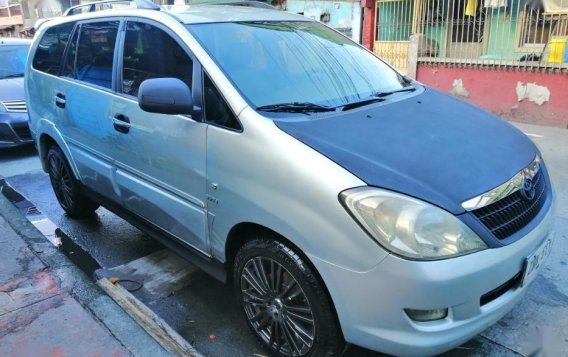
<point>14,130</point>
<point>370,305</point>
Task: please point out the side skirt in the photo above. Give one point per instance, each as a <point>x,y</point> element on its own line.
<point>211,266</point>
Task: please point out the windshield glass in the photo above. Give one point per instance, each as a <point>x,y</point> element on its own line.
<point>13,60</point>
<point>295,62</point>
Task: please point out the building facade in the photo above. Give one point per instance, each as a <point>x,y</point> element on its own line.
<point>11,19</point>
<point>345,16</point>
<point>508,56</point>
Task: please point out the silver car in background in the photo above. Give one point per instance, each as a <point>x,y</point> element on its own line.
<point>344,201</point>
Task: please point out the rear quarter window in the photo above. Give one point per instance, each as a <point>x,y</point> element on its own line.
<point>49,52</point>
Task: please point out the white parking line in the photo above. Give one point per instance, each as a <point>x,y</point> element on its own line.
<point>47,228</point>
<point>534,135</point>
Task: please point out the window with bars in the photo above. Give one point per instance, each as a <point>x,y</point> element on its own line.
<point>492,32</point>
<point>539,24</point>
<point>394,20</point>
<point>535,28</point>
<point>467,21</point>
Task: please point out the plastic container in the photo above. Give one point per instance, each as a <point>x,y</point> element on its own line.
<point>557,51</point>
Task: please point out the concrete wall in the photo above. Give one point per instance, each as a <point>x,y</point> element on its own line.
<point>368,35</point>
<point>530,97</point>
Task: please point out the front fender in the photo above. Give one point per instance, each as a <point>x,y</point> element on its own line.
<point>266,177</point>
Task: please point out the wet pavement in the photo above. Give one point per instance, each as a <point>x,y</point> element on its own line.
<point>206,313</point>
<point>38,315</point>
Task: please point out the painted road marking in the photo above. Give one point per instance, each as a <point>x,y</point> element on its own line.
<point>46,227</point>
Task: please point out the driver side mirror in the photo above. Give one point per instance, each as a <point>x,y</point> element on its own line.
<point>165,96</point>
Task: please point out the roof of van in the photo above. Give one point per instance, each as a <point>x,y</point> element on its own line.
<point>186,14</point>
<point>229,13</point>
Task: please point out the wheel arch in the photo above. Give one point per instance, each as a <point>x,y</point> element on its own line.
<point>246,231</point>
<point>53,138</point>
<point>45,142</point>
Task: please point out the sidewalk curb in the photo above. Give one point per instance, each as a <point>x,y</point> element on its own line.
<point>80,286</point>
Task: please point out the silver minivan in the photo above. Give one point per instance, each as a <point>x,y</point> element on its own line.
<point>344,201</point>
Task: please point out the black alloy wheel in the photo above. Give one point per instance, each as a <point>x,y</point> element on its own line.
<point>66,188</point>
<point>277,307</point>
<point>284,303</point>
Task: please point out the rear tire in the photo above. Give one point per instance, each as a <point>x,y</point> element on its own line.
<point>284,302</point>
<point>66,187</point>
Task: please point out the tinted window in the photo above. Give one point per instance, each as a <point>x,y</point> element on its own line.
<point>217,111</point>
<point>13,60</point>
<point>50,49</point>
<point>69,63</point>
<point>151,53</point>
<point>286,62</point>
<point>95,53</point>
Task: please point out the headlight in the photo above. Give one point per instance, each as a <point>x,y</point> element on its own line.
<point>409,227</point>
<point>3,108</point>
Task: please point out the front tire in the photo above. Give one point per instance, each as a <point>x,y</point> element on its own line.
<point>66,187</point>
<point>284,302</point>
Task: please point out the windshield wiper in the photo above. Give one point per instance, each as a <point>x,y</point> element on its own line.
<point>15,75</point>
<point>295,107</point>
<point>361,103</point>
<point>385,94</point>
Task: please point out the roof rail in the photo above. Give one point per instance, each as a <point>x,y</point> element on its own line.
<point>248,3</point>
<point>92,6</point>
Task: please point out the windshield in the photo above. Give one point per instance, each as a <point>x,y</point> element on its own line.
<point>295,62</point>
<point>13,60</point>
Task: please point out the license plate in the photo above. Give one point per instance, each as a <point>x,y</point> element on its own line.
<point>534,261</point>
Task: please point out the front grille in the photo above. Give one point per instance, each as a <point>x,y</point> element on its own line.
<point>15,106</point>
<point>23,131</point>
<point>512,213</point>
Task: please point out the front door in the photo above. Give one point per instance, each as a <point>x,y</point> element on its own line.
<point>160,159</point>
<point>393,28</point>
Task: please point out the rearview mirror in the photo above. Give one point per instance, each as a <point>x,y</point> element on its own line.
<point>165,96</point>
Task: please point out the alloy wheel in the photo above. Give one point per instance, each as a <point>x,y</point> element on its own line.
<point>277,307</point>
<point>61,181</point>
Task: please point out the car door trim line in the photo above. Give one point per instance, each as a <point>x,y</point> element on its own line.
<point>182,195</point>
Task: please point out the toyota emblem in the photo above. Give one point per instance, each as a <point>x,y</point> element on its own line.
<point>528,189</point>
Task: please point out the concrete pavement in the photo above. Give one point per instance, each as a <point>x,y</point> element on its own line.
<point>50,308</point>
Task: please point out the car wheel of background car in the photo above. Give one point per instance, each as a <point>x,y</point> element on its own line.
<point>284,302</point>
<point>66,187</point>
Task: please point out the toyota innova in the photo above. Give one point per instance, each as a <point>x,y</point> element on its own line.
<point>344,201</point>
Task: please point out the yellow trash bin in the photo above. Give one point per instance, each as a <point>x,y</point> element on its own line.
<point>557,49</point>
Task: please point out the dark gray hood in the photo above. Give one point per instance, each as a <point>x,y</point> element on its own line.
<point>430,146</point>
<point>12,89</point>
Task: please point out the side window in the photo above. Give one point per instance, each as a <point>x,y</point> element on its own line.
<point>217,111</point>
<point>95,53</point>
<point>69,62</point>
<point>151,53</point>
<point>50,48</point>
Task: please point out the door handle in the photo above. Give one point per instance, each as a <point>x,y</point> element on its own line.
<point>121,123</point>
<point>60,100</point>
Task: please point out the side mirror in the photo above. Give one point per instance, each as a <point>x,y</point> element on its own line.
<point>165,96</point>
